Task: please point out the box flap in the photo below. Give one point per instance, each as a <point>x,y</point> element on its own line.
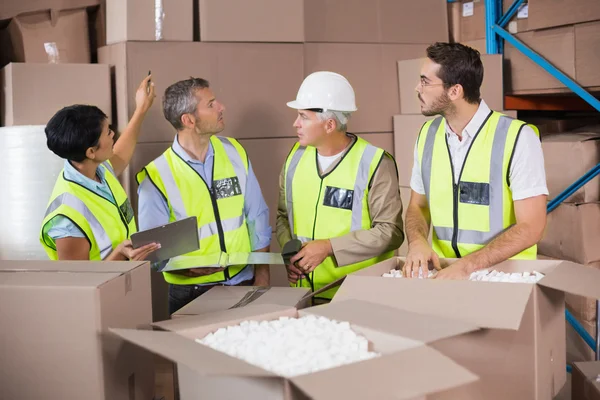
<point>221,298</point>
<point>54,279</point>
<point>201,359</point>
<point>573,278</point>
<point>405,375</point>
<point>571,137</point>
<point>484,304</point>
<point>261,311</point>
<point>69,266</point>
<point>422,328</point>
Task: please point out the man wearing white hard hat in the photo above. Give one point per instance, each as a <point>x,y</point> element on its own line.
<point>338,194</point>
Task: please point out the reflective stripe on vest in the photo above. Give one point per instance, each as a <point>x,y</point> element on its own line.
<point>496,180</point>
<point>102,239</point>
<point>470,207</point>
<point>360,185</point>
<point>324,206</point>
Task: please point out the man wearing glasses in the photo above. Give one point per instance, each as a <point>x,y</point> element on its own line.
<point>478,175</point>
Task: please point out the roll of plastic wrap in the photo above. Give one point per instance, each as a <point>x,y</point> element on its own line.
<point>28,171</point>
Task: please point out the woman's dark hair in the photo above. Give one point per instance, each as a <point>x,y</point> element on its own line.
<point>459,65</point>
<point>73,130</point>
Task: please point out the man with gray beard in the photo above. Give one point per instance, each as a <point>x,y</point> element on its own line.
<point>478,176</point>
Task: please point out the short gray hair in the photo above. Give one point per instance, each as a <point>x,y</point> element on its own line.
<point>341,118</point>
<point>180,98</point>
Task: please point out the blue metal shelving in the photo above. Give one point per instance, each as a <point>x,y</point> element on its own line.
<point>495,37</point>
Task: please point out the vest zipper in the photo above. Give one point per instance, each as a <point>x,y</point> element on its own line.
<point>317,210</point>
<point>455,188</point>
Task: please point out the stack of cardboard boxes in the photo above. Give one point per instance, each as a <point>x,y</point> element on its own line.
<point>574,227</point>
<point>563,32</point>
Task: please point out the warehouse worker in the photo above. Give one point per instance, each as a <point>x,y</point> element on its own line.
<point>338,194</point>
<point>89,216</point>
<point>478,175</point>
<point>211,178</point>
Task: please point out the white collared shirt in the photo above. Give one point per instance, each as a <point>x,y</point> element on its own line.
<point>527,175</point>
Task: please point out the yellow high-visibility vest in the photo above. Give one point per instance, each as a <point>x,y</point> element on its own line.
<point>104,224</point>
<point>330,205</point>
<point>220,210</point>
<point>468,215</point>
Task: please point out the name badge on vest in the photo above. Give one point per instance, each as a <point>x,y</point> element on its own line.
<point>227,187</point>
<point>338,198</point>
<point>475,193</point>
<point>127,210</point>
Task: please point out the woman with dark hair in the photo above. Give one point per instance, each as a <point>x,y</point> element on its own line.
<point>89,216</point>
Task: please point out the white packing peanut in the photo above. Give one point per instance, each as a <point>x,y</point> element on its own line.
<point>292,346</point>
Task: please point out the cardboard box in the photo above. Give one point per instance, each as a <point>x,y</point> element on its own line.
<point>587,52</point>
<point>142,20</point>
<point>523,324</point>
<point>478,45</point>
<point>454,16</point>
<point>376,21</point>
<point>577,348</point>
<point>551,13</point>
<point>11,8</point>
<point>584,385</point>
<point>582,308</point>
<point>582,150</point>
<point>472,20</point>
<point>221,298</point>
<point>406,132</point>
<point>371,70</point>
<point>33,93</point>
<point>44,37</point>
<point>556,45</point>
<point>251,111</point>
<point>491,88</point>
<point>56,330</point>
<point>401,337</point>
<point>572,232</point>
<point>256,21</point>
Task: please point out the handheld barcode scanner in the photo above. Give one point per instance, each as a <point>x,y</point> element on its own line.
<point>290,249</point>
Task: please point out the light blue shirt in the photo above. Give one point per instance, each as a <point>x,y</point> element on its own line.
<point>60,226</point>
<point>153,209</point>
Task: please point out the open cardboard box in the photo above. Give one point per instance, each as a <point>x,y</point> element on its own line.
<point>221,298</point>
<point>408,367</point>
<point>521,351</point>
<point>55,315</point>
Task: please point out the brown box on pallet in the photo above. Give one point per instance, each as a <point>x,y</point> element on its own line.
<point>552,13</point>
<point>371,70</point>
<point>523,324</point>
<point>142,20</point>
<point>45,37</point>
<point>239,74</point>
<point>584,383</point>
<point>401,337</point>
<point>255,21</point>
<point>582,150</point>
<point>491,89</point>
<point>222,298</point>
<point>376,21</point>
<point>32,93</point>
<point>572,232</point>
<point>56,319</point>
<point>587,54</point>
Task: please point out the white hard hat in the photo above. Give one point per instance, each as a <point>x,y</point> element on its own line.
<point>325,90</point>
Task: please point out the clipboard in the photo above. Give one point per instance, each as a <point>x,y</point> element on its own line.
<point>175,238</point>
